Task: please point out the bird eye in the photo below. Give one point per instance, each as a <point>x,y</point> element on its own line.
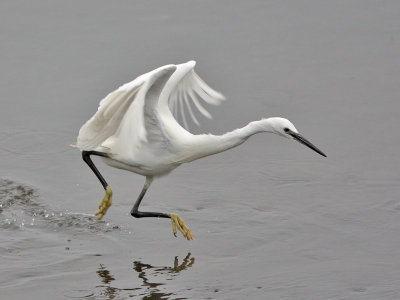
<point>286,129</point>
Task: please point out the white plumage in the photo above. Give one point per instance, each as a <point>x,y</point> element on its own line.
<point>135,126</point>
<point>135,129</point>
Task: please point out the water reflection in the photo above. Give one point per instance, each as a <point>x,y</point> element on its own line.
<point>106,278</point>
<point>149,289</point>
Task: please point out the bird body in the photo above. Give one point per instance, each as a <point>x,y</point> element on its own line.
<point>135,128</point>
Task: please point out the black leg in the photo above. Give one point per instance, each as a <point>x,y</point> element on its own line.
<point>139,214</point>
<point>107,199</point>
<point>86,158</point>
<point>177,222</point>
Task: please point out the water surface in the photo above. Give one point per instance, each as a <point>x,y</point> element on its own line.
<point>271,219</point>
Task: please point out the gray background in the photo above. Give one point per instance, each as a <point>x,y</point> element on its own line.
<point>271,219</point>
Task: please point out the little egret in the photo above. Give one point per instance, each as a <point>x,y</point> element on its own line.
<point>135,129</point>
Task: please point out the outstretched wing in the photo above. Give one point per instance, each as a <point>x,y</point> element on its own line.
<point>126,113</point>
<point>186,89</point>
<point>105,122</point>
<point>139,113</point>
<point>141,130</point>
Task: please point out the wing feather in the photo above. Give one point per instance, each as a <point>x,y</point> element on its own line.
<point>196,102</point>
<point>105,122</point>
<point>185,86</point>
<point>182,109</point>
<point>141,130</point>
<point>189,108</point>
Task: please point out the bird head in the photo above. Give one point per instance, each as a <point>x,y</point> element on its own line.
<point>285,128</point>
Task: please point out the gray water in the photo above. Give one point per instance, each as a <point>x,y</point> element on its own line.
<point>271,218</point>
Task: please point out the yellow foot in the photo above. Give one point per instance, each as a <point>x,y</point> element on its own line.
<point>104,204</point>
<point>177,222</point>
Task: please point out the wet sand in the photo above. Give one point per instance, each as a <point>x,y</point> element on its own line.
<point>271,218</point>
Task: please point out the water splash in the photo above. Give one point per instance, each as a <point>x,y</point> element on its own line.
<point>20,208</point>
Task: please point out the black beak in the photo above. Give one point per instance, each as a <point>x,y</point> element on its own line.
<point>305,142</point>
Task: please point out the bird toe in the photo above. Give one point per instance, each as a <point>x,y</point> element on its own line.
<point>104,204</point>
<point>177,223</point>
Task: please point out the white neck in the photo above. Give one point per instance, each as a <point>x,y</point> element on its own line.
<point>207,144</point>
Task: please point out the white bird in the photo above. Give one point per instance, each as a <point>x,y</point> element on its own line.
<point>135,129</point>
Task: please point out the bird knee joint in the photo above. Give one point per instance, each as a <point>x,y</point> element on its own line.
<point>135,214</point>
